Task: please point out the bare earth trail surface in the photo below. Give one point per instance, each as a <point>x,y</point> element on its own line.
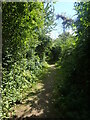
<point>39,102</point>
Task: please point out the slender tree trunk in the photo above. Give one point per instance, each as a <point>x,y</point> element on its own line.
<point>43,56</point>
<point>64,29</point>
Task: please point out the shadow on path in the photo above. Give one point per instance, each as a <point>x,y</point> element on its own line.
<point>39,102</point>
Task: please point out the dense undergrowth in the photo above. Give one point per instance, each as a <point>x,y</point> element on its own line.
<point>23,24</point>
<point>72,88</point>
<point>26,48</point>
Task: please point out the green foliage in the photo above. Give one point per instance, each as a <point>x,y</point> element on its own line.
<point>21,25</point>
<point>49,22</point>
<point>23,34</point>
<point>45,41</point>
<point>72,91</point>
<point>44,47</point>
<point>54,52</point>
<point>26,48</point>
<point>63,43</point>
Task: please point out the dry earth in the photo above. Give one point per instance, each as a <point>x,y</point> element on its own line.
<point>39,102</point>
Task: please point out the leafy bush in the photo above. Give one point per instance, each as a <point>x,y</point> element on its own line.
<point>73,88</point>
<point>22,24</point>
<point>20,37</point>
<point>16,82</point>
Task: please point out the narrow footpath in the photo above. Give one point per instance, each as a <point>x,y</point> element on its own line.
<point>39,102</point>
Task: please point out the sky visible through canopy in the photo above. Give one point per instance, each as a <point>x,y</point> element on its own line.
<point>65,8</point>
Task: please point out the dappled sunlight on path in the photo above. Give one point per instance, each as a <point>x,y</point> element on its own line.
<point>39,102</point>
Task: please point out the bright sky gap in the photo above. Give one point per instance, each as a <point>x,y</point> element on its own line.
<point>67,9</point>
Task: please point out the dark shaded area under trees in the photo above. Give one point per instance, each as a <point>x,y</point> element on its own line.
<point>27,51</point>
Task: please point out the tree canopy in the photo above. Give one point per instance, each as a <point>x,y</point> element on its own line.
<point>28,50</point>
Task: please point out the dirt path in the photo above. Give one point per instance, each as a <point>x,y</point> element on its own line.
<point>39,102</point>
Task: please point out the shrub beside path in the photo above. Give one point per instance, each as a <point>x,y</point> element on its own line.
<point>39,102</point>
